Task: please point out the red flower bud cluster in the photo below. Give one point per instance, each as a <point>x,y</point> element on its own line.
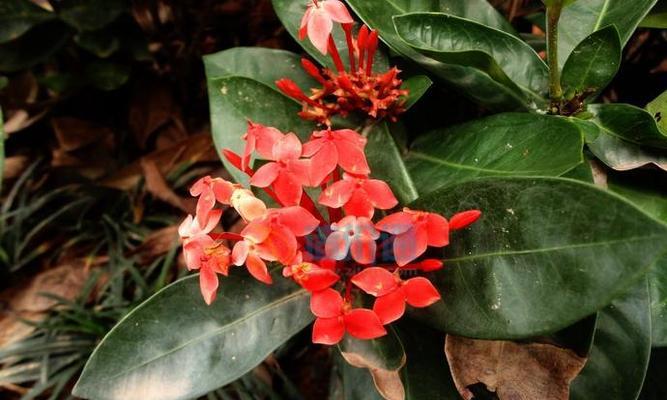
<point>342,92</point>
<point>351,259</point>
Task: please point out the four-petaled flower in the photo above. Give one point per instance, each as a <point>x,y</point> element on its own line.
<point>311,276</point>
<point>318,20</point>
<point>356,235</point>
<point>392,292</point>
<point>328,149</point>
<point>336,316</point>
<point>358,195</point>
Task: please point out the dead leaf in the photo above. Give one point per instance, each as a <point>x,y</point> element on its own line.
<point>73,133</point>
<point>514,371</point>
<point>387,382</point>
<point>153,108</point>
<point>156,244</point>
<point>15,166</point>
<point>193,149</point>
<point>158,187</point>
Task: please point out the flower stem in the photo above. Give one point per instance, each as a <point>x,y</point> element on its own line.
<point>555,89</point>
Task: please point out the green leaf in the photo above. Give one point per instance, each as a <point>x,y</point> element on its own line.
<point>351,383</point>
<point>18,16</point>
<point>90,15</point>
<point>469,81</point>
<point>101,43</point>
<point>658,291</point>
<point>241,88</point>
<point>426,374</point>
<point>585,17</point>
<point>500,145</point>
<point>537,261</point>
<point>451,40</point>
<point>174,346</point>
<point>657,18</point>
<point>621,155</point>
<point>594,62</point>
<point>34,47</point>
<point>658,110</point>
<point>106,75</point>
<point>386,162</point>
<point>2,150</point>
<point>291,12</point>
<point>617,363</point>
<point>417,86</point>
<point>629,123</point>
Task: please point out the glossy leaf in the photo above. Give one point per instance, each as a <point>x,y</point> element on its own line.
<point>536,261</point>
<point>622,155</point>
<point>18,16</point>
<point>585,17</point>
<point>88,15</point>
<point>618,360</point>
<point>594,62</point>
<point>500,145</point>
<point>657,18</point>
<point>629,123</point>
<point>33,47</point>
<point>658,110</point>
<point>290,13</point>
<point>416,86</point>
<point>241,87</point>
<point>106,75</point>
<point>174,346</point>
<point>351,383</point>
<point>386,162</point>
<point>470,82</point>
<point>453,40</point>
<point>658,292</point>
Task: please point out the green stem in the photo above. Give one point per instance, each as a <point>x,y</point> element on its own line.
<point>553,15</point>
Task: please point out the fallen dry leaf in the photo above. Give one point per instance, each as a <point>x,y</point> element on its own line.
<point>15,166</point>
<point>387,382</point>
<point>158,187</point>
<point>514,371</point>
<point>73,133</point>
<point>153,108</point>
<point>156,244</point>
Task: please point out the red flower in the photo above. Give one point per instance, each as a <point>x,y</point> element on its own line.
<point>287,173</point>
<point>209,190</point>
<point>329,148</point>
<point>259,138</point>
<point>335,317</point>
<point>392,292</point>
<point>415,231</point>
<point>310,276</point>
<point>317,22</point>
<point>355,235</point>
<point>358,196</point>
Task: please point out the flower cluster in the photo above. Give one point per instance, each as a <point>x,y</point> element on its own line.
<point>359,89</point>
<point>351,258</point>
<point>361,248</point>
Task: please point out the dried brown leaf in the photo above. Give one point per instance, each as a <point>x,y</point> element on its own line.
<point>73,133</point>
<point>387,382</point>
<point>153,108</point>
<point>514,371</point>
<point>15,166</point>
<point>156,244</point>
<point>158,186</point>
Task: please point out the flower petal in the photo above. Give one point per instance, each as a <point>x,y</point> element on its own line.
<point>463,219</point>
<point>318,279</point>
<point>257,268</point>
<point>437,229</point>
<point>395,223</point>
<point>298,220</point>
<point>208,284</point>
<point>326,304</point>
<point>359,205</point>
<point>337,245</point>
<point>287,148</point>
<point>410,245</point>
<point>319,30</point>
<point>380,194</point>
<point>337,11</point>
<point>205,204</point>
<point>390,307</point>
<point>376,281</point>
<point>352,158</point>
<point>240,253</point>
<point>363,249</point>
<point>328,331</point>
<point>337,194</point>
<point>265,175</point>
<point>323,163</point>
<point>420,292</point>
<point>288,189</point>
<point>363,324</point>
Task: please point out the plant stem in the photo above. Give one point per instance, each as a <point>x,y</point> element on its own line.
<point>553,16</point>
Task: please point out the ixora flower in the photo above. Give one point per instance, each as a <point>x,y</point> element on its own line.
<point>335,259</point>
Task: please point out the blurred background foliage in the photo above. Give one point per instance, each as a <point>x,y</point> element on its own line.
<point>105,126</point>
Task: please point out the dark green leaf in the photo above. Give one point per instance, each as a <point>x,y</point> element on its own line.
<point>594,62</point>
<point>619,358</point>
<point>106,75</point>
<point>537,261</point>
<point>101,43</point>
<point>18,16</point>
<point>426,374</point>
<point>657,18</point>
<point>629,123</point>
<point>34,47</point>
<point>658,110</point>
<point>502,145</point>
<point>416,86</point>
<point>470,82</point>
<point>622,155</point>
<point>384,158</point>
<point>658,291</point>
<point>453,40</point>
<point>585,17</point>
<point>241,88</point>
<point>90,15</point>
<point>291,12</point>
<point>174,346</point>
<point>351,383</point>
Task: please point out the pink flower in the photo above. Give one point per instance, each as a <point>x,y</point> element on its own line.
<point>328,149</point>
<point>356,235</point>
<point>209,190</point>
<point>358,196</point>
<point>287,174</point>
<point>318,20</point>
<point>259,138</point>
